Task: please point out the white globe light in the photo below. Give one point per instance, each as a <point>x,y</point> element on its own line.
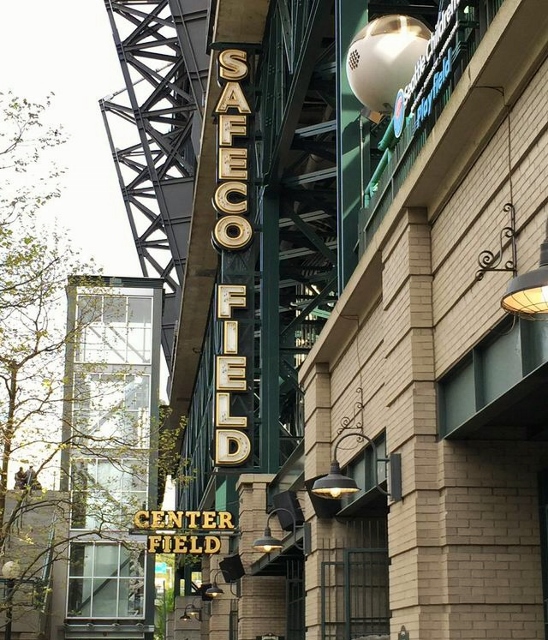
<point>11,569</point>
<point>382,58</point>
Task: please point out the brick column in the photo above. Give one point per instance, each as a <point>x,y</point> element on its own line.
<point>261,608</point>
<point>417,579</point>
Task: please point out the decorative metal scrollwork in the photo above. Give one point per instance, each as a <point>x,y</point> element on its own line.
<point>489,261</point>
<point>355,421</point>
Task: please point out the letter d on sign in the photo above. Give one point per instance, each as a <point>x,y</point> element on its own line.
<point>232,447</point>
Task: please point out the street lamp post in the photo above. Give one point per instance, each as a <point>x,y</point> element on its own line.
<point>10,583</point>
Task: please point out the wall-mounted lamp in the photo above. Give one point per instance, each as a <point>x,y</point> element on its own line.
<point>215,590</point>
<point>527,295</point>
<point>267,542</point>
<point>336,485</point>
<point>191,612</point>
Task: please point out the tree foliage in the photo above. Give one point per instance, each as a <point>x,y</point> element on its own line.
<point>35,263</point>
<point>24,142</point>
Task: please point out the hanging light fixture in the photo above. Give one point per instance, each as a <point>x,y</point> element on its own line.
<point>193,611</point>
<point>336,485</point>
<point>214,590</point>
<point>269,543</point>
<point>527,295</point>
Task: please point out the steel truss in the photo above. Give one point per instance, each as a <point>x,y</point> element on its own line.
<point>297,198</point>
<point>298,216</point>
<point>154,126</point>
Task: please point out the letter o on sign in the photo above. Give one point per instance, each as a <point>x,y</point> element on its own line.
<point>233,233</point>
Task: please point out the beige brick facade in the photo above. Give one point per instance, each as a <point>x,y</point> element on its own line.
<point>464,543</point>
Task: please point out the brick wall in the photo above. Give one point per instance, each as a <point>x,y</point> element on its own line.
<point>464,542</point>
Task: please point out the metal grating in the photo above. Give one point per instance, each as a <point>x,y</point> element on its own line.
<point>354,582</point>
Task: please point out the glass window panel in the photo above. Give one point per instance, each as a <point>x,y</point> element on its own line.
<point>138,392</point>
<point>140,310</point>
<point>106,560</point>
<point>135,480</point>
<point>93,511</point>
<point>132,595</point>
<point>77,559</point>
<point>131,562</point>
<point>139,345</point>
<point>115,589</point>
<point>458,399</point>
<point>90,344</point>
<point>79,598</point>
<point>106,494</point>
<point>111,511</point>
<point>89,309</point>
<point>105,598</point>
<point>109,476</point>
<point>78,512</point>
<point>114,309</point>
<point>82,479</point>
<point>501,366</point>
<point>114,345</point>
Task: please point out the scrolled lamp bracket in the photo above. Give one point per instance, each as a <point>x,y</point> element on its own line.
<point>489,261</point>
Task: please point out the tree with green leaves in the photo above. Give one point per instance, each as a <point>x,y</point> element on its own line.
<point>35,264</point>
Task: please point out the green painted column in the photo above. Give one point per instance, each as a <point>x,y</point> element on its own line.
<point>269,431</point>
<point>350,17</point>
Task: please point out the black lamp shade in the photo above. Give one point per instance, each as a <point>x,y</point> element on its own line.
<point>528,294</point>
<point>267,542</point>
<point>335,484</point>
<point>214,591</point>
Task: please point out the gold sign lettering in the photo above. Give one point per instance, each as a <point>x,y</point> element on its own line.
<point>233,64</point>
<point>222,413</point>
<point>230,296</point>
<point>225,201</point>
<point>232,163</point>
<point>231,373</point>
<point>194,545</point>
<point>183,519</point>
<point>232,97</point>
<point>232,232</point>
<point>232,447</point>
<point>231,125</point>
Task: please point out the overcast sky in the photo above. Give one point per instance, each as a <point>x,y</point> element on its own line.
<point>66,47</point>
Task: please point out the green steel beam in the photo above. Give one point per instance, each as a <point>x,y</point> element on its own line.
<point>269,335</point>
<point>350,14</point>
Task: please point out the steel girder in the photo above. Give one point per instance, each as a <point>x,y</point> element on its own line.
<point>303,133</point>
<point>154,128</point>
<point>297,212</point>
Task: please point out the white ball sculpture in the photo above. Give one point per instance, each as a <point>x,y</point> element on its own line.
<point>382,58</point>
